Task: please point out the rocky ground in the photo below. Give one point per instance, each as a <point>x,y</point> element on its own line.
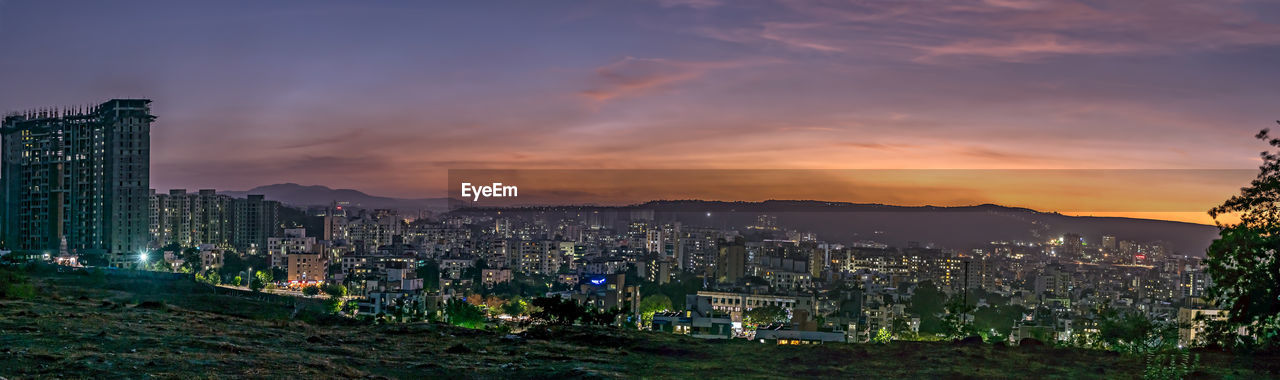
<point>82,327</point>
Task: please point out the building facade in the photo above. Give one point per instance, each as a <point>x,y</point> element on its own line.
<point>78,176</point>
<point>209,218</point>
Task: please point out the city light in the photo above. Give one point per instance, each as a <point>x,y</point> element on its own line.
<point>904,189</point>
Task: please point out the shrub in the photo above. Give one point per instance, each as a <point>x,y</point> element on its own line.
<point>14,285</point>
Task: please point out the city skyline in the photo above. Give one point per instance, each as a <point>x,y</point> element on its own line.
<point>387,97</point>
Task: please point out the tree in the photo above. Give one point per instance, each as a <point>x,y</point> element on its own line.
<point>1242,261</point>
<point>335,290</point>
<point>600,317</point>
<point>558,311</point>
<point>902,329</point>
<point>350,307</point>
<point>882,336</point>
<point>997,320</point>
<point>955,322</point>
<point>461,313</point>
<point>765,315</point>
<point>429,272</point>
<point>310,290</point>
<point>653,304</point>
<point>333,305</point>
<point>260,280</point>
<point>265,276</point>
<point>515,306</point>
<point>191,260</point>
<point>928,302</point>
<point>212,278</point>
<point>256,284</point>
<point>1133,332</point>
<point>493,303</point>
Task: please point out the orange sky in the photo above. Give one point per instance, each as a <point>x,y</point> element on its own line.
<point>1182,195</point>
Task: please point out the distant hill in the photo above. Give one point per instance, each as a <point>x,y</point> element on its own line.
<point>315,195</point>
<point>953,227</point>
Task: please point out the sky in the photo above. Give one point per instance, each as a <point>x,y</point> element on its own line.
<point>387,97</point>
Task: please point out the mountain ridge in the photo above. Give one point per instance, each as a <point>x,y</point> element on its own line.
<point>947,225</point>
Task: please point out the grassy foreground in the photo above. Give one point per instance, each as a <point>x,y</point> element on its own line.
<point>83,327</point>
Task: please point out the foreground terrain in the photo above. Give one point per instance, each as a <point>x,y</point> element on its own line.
<point>81,326</point>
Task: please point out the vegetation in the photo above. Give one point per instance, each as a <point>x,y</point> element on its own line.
<point>138,327</point>
<point>212,278</point>
<point>1179,365</point>
<point>1133,332</point>
<point>429,272</point>
<point>955,323</point>
<point>463,314</point>
<point>14,285</point>
<point>335,290</point>
<point>515,306</point>
<point>653,304</point>
<point>765,315</point>
<point>684,284</point>
<point>1242,261</point>
<point>929,303</point>
<point>563,312</point>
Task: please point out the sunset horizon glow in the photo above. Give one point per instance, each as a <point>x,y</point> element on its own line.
<point>388,97</point>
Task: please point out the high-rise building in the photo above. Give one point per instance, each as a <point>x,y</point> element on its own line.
<point>81,176</point>
<point>209,218</point>
<point>1109,243</point>
<point>256,220</point>
<point>192,219</point>
<point>731,263</point>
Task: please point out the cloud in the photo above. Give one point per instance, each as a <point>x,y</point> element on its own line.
<point>785,33</point>
<point>997,155</point>
<point>1021,49</point>
<point>1001,30</point>
<point>873,145</point>
<point>345,137</point>
<point>631,75</point>
<point>1017,4</point>
<point>695,4</point>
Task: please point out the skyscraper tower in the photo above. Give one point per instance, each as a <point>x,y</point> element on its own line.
<point>78,174</point>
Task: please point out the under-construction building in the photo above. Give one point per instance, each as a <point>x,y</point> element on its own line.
<point>78,180</point>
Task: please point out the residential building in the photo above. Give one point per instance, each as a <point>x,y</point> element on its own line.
<point>82,175</point>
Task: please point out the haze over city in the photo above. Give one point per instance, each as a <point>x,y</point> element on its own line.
<point>386,97</point>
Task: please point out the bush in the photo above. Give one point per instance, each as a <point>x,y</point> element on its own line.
<point>19,291</point>
<point>1170,365</point>
<point>335,290</point>
<point>333,305</point>
<point>14,285</point>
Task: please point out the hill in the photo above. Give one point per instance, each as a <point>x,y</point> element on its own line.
<point>79,326</point>
<point>953,227</point>
<point>315,195</point>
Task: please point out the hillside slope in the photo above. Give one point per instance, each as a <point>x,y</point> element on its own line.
<point>77,327</point>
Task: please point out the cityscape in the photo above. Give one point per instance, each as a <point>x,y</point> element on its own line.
<point>594,250</point>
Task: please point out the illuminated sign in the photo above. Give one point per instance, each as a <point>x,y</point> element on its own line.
<point>597,281</point>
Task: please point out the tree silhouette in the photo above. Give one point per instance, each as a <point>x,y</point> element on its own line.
<point>1243,261</point>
